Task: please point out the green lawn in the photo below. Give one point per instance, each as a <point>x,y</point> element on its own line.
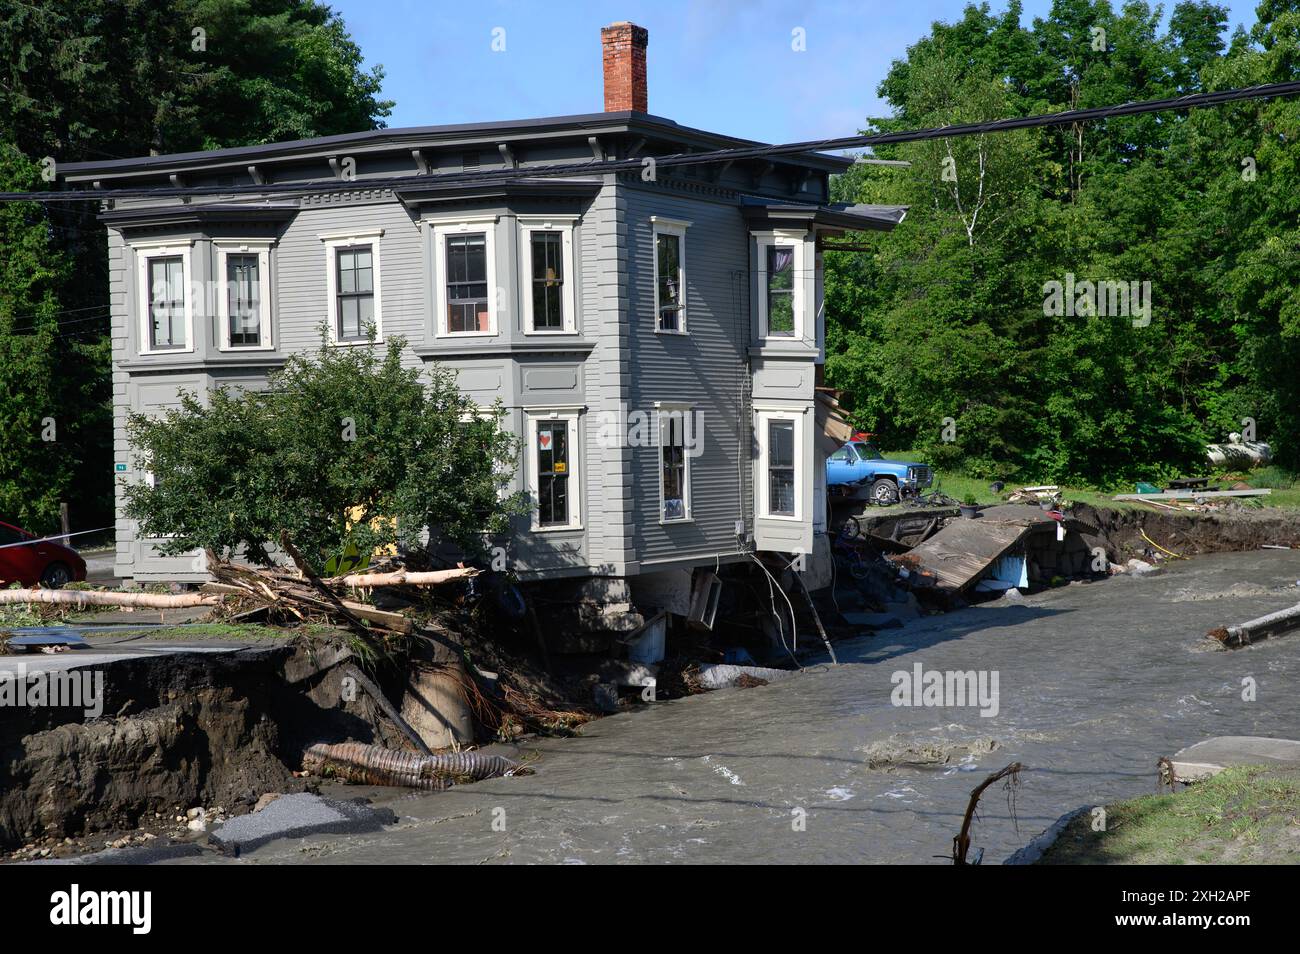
<point>1246,815</point>
<point>1285,487</point>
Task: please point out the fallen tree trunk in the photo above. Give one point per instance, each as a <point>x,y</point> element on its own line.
<point>102,598</point>
<point>1253,630</point>
<point>402,578</point>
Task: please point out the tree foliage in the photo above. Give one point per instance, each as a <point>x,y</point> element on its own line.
<point>946,318</point>
<point>102,79</point>
<point>345,446</point>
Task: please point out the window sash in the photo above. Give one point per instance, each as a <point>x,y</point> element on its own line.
<point>548,280</point>
<point>467,284</point>
<point>553,471</point>
<point>780,468</point>
<point>668,274</point>
<point>780,291</point>
<point>673,470</point>
<point>166,303</point>
<point>243,297</point>
<point>355,292</point>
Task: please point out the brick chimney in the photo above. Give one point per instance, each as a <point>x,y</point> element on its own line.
<point>623,46</point>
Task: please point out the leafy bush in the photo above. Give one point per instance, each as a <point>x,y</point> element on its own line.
<point>346,446</point>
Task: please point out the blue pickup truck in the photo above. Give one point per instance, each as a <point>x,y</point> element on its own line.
<point>858,465</point>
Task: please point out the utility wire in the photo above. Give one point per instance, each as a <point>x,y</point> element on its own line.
<point>735,154</point>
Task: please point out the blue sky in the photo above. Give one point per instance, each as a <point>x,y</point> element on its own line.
<point>722,65</point>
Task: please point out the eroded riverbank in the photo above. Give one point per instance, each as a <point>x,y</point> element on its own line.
<point>1096,682</point>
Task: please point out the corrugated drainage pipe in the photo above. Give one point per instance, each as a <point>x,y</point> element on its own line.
<point>375,765</point>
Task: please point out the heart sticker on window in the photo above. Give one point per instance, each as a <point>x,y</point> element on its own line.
<point>544,440</point>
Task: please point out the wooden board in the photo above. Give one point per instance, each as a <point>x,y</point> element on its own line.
<point>1193,494</point>
<point>960,552</point>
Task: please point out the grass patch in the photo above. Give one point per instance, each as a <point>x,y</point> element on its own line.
<point>1244,815</point>
<point>1284,484</point>
<point>253,632</point>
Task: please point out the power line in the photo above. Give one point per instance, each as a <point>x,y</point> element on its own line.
<point>735,154</point>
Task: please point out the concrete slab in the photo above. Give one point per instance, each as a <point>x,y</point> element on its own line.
<point>108,653</point>
<point>1206,759</point>
<point>296,816</point>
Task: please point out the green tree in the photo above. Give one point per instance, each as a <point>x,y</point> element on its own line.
<point>345,446</point>
<point>101,79</point>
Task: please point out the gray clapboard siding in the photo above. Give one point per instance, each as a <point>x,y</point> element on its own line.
<point>705,367</point>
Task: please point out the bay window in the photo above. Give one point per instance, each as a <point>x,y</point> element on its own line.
<point>464,267</point>
<point>162,291</point>
<point>780,476</point>
<point>552,463</point>
<point>244,301</point>
<point>547,275</point>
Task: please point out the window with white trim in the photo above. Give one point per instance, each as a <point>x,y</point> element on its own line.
<point>546,257</point>
<point>554,474</point>
<point>352,263</point>
<point>465,277</point>
<point>780,476</point>
<point>669,237</point>
<point>782,266</point>
<point>166,311</point>
<point>674,462</point>
<point>244,303</point>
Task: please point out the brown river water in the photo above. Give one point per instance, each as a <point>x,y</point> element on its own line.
<point>1096,682</point>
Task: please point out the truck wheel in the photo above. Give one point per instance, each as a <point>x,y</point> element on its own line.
<point>884,492</point>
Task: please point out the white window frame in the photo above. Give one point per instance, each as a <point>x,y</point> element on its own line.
<point>144,253</point>
<point>548,223</point>
<point>262,249</point>
<point>571,415</point>
<point>441,228</point>
<point>783,238</point>
<point>663,409</point>
<point>333,241</point>
<point>764,415</point>
<point>659,225</point>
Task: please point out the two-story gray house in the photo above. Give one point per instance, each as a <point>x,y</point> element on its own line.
<point>655,336</point>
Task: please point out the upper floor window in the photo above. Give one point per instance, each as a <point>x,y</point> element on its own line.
<point>244,305</point>
<point>547,250</point>
<point>547,276</point>
<point>780,290</point>
<point>781,287</point>
<point>670,274</point>
<point>166,311</point>
<point>166,303</point>
<point>467,287</point>
<point>356,301</point>
<point>465,277</point>
<point>355,298</point>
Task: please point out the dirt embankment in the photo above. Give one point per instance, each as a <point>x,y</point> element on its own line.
<point>1191,533</point>
<point>181,732</point>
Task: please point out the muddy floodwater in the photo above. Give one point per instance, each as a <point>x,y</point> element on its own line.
<point>1096,682</point>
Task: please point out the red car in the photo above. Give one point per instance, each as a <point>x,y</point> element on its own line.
<point>45,562</point>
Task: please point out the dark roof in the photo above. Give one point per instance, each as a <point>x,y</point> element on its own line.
<point>200,212</point>
<point>379,140</point>
<point>838,215</point>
